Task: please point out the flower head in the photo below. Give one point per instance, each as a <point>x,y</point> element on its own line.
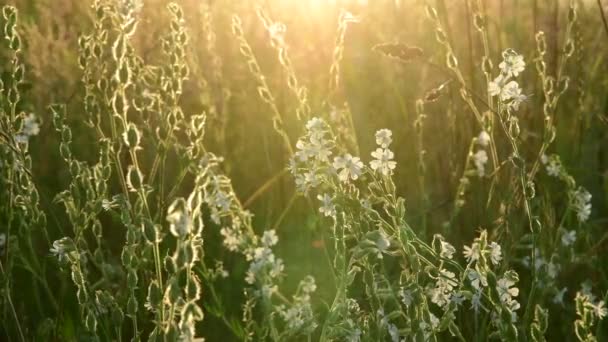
<point>348,167</point>
<point>512,63</point>
<point>383,161</point>
<point>327,206</point>
<point>383,137</point>
<point>483,139</point>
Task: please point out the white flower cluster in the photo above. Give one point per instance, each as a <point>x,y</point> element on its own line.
<point>553,165</point>
<point>383,157</point>
<point>299,318</point>
<point>480,256</point>
<point>581,203</point>
<point>263,260</point>
<point>503,86</point>
<point>313,153</point>
<point>480,158</point>
<point>441,293</point>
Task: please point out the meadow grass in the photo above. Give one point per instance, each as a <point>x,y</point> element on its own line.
<point>398,170</point>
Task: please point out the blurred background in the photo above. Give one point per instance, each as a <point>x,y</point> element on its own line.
<point>381,93</point>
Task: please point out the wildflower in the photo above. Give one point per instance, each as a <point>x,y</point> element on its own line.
<point>319,149</point>
<point>495,253</point>
<point>517,98</point>
<point>269,238</point>
<point>447,250</point>
<point>476,302</point>
<point>495,87</point>
<point>559,296</point>
<point>554,167</point>
<point>62,247</point>
<point>472,253</point>
<point>544,159</point>
<point>383,137</point>
<point>444,286</point>
<point>599,309</point>
<point>383,161</point>
<point>480,158</point>
<point>512,63</point>
<point>510,91</point>
<point>552,270</point>
<point>327,207</point>
<point>457,298</point>
<point>232,238</point>
<point>30,128</point>
<point>582,204</point>
<point>316,148</point>
<point>477,279</point>
<point>264,262</point>
<point>315,125</point>
<point>306,181</point>
<point>308,284</point>
<point>568,237</point>
<point>349,167</point>
<point>506,291</point>
<point>483,139</point>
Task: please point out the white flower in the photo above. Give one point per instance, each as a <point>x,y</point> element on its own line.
<point>512,63</point>
<point>581,203</point>
<point>477,279</point>
<point>568,237</point>
<point>62,247</point>
<point>383,137</point>
<point>552,270</point>
<point>315,125</point>
<point>510,91</point>
<point>544,159</point>
<point>447,250</point>
<point>480,158</point>
<point>327,207</point>
<point>30,128</point>
<point>559,296</point>
<point>476,302</point>
<point>232,238</point>
<point>495,253</point>
<point>483,139</point>
<point>472,253</point>
<point>406,297</point>
<point>348,167</point>
<point>516,99</point>
<point>554,167</point>
<point>505,290</point>
<point>495,87</point>
<point>599,309</point>
<point>308,284</point>
<point>269,238</point>
<point>306,181</point>
<point>444,286</point>
<point>383,161</point>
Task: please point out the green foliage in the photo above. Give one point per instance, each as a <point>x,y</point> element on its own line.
<point>478,216</point>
